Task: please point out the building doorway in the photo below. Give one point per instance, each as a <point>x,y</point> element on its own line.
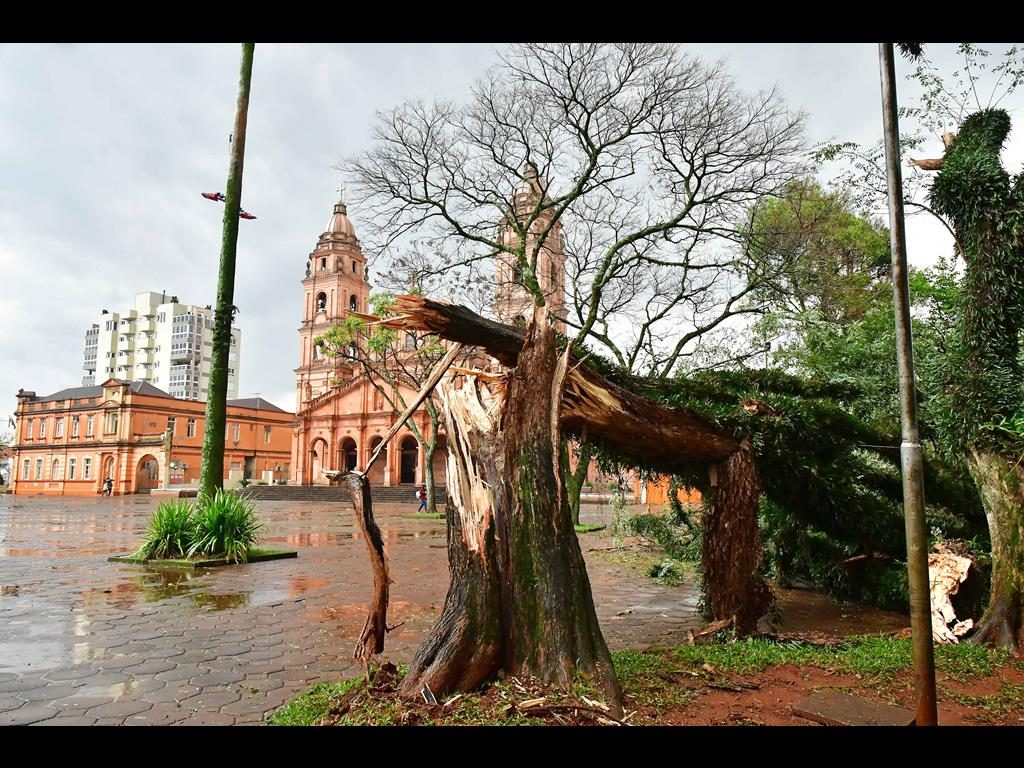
<point>410,455</point>
<point>349,454</point>
<point>147,474</point>
<point>316,457</point>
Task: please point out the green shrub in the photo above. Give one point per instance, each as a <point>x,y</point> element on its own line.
<point>171,531</point>
<point>227,525</point>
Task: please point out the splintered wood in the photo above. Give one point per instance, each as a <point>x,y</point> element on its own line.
<point>469,407</point>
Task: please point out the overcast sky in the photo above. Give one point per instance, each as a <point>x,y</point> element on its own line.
<point>104,150</point>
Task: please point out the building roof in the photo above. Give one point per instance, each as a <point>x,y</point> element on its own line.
<point>256,402</point>
<point>77,393</point>
<point>339,223</point>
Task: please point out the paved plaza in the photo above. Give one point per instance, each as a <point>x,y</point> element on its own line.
<point>85,641</point>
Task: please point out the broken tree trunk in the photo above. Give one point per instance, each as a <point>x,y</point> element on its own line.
<point>519,601</point>
<point>665,439</point>
<point>731,555</point>
<point>371,639</point>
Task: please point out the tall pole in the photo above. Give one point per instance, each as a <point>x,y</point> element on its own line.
<point>212,475</point>
<point>910,448</point>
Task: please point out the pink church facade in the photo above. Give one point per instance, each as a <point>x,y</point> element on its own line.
<point>340,415</point>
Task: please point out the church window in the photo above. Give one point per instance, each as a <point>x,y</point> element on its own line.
<point>321,302</point>
<point>323,263</point>
<point>353,267</point>
<point>353,303</point>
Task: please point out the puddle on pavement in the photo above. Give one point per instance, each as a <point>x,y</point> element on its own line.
<point>805,611</point>
<point>220,602</point>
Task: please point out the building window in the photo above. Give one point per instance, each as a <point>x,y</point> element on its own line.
<point>266,434</point>
<point>28,430</point>
<point>323,263</point>
<point>26,470</point>
<point>353,267</point>
<point>55,470</point>
<point>191,428</point>
<point>236,432</point>
<point>39,469</point>
<point>353,303</point>
<point>59,429</point>
<point>74,426</point>
<point>71,468</point>
<point>42,428</point>
<point>321,302</point>
<point>87,469</point>
<point>89,426</point>
<point>170,424</point>
<point>111,423</point>
<point>410,341</point>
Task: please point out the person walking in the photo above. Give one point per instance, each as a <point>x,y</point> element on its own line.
<point>421,494</point>
<point>108,486</point>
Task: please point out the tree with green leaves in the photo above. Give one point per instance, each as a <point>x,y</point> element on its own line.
<point>980,204</point>
<point>397,364</point>
<point>985,383</point>
<point>211,477</point>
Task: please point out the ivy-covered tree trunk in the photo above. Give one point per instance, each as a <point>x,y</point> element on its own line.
<point>519,601</point>
<point>984,375</point>
<point>1001,482</point>
<point>211,476</point>
<point>731,558</point>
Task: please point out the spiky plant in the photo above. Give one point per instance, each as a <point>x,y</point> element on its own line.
<point>227,525</point>
<point>170,531</point>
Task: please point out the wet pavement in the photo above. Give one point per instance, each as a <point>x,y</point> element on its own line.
<point>84,641</point>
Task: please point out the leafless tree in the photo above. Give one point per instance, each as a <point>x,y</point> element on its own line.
<point>647,159</point>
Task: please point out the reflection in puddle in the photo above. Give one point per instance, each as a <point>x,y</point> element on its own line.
<point>220,602</point>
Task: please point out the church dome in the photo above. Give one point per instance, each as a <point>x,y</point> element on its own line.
<point>339,224</point>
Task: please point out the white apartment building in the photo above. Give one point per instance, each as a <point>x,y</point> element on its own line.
<point>161,341</point>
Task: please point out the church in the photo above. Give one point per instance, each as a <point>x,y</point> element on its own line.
<point>340,415</point>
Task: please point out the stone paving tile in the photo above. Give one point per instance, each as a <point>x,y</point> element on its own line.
<point>71,673</point>
<point>210,699</point>
<point>73,720</point>
<point>118,709</point>
<point>160,714</point>
<point>50,692</point>
<point>80,703</point>
<point>208,718</point>
<point>31,712</point>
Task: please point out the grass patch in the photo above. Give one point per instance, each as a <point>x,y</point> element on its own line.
<point>650,679</point>
<point>588,527</point>
<point>872,657</point>
<point>313,706</point>
<point>1009,701</point>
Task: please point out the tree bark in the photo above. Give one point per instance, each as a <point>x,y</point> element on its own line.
<point>429,447</point>
<point>731,557</point>
<point>574,479</point>
<point>211,477</point>
<point>371,639</point>
<point>1001,483</point>
<point>519,601</point>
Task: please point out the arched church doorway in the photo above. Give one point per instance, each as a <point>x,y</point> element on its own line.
<point>409,457</point>
<point>349,454</point>
<point>317,453</point>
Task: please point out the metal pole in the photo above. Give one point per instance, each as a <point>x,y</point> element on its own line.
<point>910,448</point>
